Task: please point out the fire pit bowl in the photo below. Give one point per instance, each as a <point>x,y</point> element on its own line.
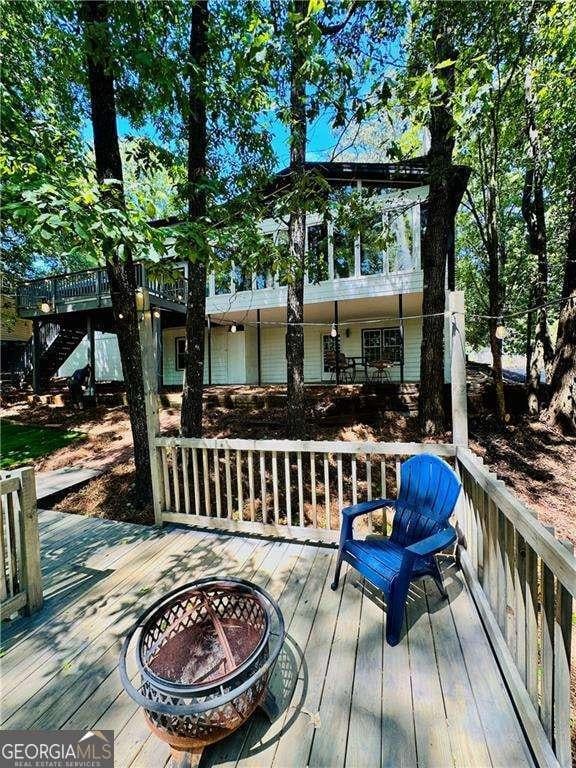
<point>204,654</point>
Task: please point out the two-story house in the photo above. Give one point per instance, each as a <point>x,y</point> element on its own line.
<point>363,301</point>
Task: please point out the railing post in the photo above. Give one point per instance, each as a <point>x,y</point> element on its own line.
<point>458,368</point>
<point>36,356</point>
<point>30,541</point>
<point>150,377</point>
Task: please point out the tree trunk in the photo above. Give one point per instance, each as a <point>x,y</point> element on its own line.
<point>191,415</point>
<point>296,416</point>
<point>562,408</point>
<point>533,213</point>
<point>121,274</point>
<point>496,259</point>
<point>436,240</point>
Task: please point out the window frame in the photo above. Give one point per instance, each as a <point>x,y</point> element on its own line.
<point>399,356</point>
<point>178,354</point>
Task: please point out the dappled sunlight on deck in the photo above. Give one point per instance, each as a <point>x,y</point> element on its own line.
<point>346,698</point>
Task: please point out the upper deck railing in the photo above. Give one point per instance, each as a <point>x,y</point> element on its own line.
<point>89,287</point>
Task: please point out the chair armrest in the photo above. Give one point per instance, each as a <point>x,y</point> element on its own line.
<point>433,544</point>
<point>367,506</point>
<point>349,513</point>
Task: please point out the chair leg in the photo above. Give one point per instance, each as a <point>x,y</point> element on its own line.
<point>439,580</point>
<point>395,613</point>
<point>334,585</point>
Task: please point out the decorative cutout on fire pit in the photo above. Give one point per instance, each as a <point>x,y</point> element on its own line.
<point>204,653</point>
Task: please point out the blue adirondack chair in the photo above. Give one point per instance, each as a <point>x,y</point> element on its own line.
<point>429,489</point>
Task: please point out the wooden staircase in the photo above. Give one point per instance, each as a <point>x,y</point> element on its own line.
<point>57,342</point>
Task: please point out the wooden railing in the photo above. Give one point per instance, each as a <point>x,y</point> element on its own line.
<point>523,581</point>
<point>291,488</point>
<point>20,575</point>
<point>90,284</point>
<point>521,577</point>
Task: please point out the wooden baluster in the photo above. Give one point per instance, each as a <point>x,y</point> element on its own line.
<point>186,480</point>
<point>501,571</point>
<point>217,483</point>
<point>251,484</point>
<point>328,522</point>
<point>174,457</point>
<point>313,488</point>
<point>300,490</point>
<point>510,589</point>
<point>531,633</point>
<point>166,478</point>
<point>206,473</point>
<point>263,486</point>
<point>275,486</point>
<point>354,481</point>
<point>562,650</point>
<point>384,496</point>
<point>520,607</point>
<point>229,505</point>
<point>196,479</point>
<point>547,648</point>
<point>239,485</point>
<point>369,490</point>
<point>492,537</point>
<point>287,487</point>
<point>12,569</point>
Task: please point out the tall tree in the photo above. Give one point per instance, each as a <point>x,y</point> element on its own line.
<point>121,275</point>
<point>561,411</point>
<point>440,225</point>
<point>191,416</point>
<point>296,421</point>
<point>533,211</point>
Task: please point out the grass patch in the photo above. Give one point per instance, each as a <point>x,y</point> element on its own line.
<point>22,443</point>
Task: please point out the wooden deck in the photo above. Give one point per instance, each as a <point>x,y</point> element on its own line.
<point>437,699</point>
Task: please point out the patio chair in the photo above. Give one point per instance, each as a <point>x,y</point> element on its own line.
<point>346,366</point>
<point>429,489</point>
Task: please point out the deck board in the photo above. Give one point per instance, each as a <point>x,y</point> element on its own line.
<point>347,699</point>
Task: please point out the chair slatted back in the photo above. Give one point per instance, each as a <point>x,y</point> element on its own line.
<point>429,489</point>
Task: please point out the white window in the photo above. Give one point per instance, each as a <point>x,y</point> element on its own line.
<point>382,344</point>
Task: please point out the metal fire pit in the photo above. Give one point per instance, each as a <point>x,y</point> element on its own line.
<point>204,654</point>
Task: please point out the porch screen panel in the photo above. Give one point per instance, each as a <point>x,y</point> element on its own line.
<point>264,277</point>
<point>317,253</point>
<point>242,278</point>
<point>371,247</point>
<point>344,258</point>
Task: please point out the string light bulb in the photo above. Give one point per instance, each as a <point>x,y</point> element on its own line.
<point>233,328</point>
<point>156,313</point>
<point>120,316</point>
<point>45,307</point>
<point>501,331</point>
<point>333,332</point>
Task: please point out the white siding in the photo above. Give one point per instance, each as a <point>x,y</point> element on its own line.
<point>273,355</point>
<point>106,353</point>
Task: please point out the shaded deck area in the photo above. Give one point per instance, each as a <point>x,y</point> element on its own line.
<point>347,699</point>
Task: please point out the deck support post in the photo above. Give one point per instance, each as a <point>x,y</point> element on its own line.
<point>259,347</point>
<point>36,356</point>
<point>91,352</point>
<point>158,347</point>
<point>337,343</point>
<point>401,319</point>
<point>209,351</point>
<point>458,368</point>
<point>150,376</point>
